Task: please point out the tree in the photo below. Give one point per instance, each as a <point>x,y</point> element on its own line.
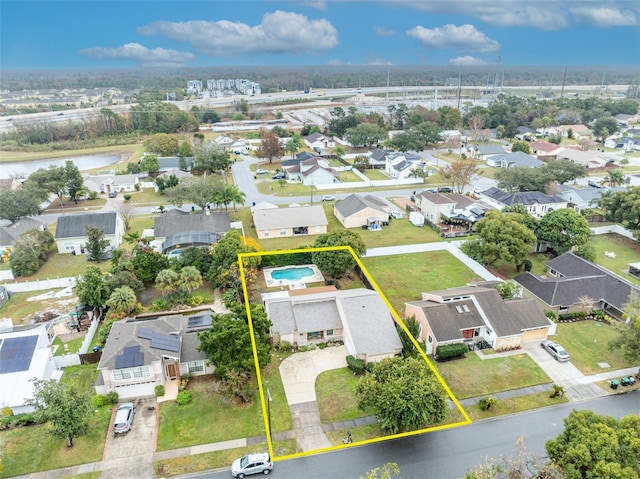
<point>408,141</point>
<point>504,237</point>
<point>122,300</point>
<point>67,410</point>
<point>521,178</point>
<point>126,211</point>
<point>92,288</point>
<point>605,126</point>
<point>624,207</point>
<point>628,340</point>
<point>162,144</point>
<point>167,281</point>
<point>429,132</point>
<point>384,472</point>
<point>563,229</point>
<point>147,263</point>
<point>228,341</point>
<point>73,180</point>
<point>449,118</point>
<point>210,158</point>
<point>597,447</point>
<point>96,244</point>
<point>522,146</point>
<point>562,171</point>
<point>199,190</point>
<point>361,163</point>
<point>293,145</point>
<point>150,164</point>
<point>336,263</point>
<point>615,178</point>
<point>508,290</point>
<point>270,147</point>
<point>408,348</point>
<point>189,279</point>
<point>30,252</point>
<point>461,173</point>
<point>17,204</point>
<point>403,394</point>
<point>224,270</point>
<point>51,180</point>
<point>365,134</point>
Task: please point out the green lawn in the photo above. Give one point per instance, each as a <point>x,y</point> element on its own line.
<point>73,346</point>
<point>376,175</point>
<point>82,376</point>
<point>31,449</point>
<point>336,396</point>
<point>626,250</point>
<point>588,344</point>
<point>21,311</point>
<point>404,277</point>
<point>472,376</point>
<point>62,266</point>
<point>180,425</point>
<point>513,405</point>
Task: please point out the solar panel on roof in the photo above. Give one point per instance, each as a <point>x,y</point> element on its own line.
<point>145,333</point>
<point>16,354</point>
<point>131,357</point>
<point>199,321</point>
<point>166,342</point>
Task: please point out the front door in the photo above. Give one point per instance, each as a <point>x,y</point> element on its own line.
<point>172,370</point>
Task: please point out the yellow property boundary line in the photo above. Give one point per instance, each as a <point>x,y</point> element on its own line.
<point>263,400</point>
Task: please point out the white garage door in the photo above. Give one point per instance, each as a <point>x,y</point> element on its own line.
<point>136,390</point>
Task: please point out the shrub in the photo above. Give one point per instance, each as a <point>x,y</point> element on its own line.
<point>551,315</point>
<point>112,397</point>
<point>527,265</point>
<point>159,389</point>
<point>127,197</point>
<point>196,300</point>
<point>451,350</point>
<point>486,403</point>
<point>355,365</point>
<point>98,401</point>
<point>6,411</point>
<point>184,380</point>
<point>184,398</point>
<point>229,298</point>
<point>322,345</point>
<point>284,346</point>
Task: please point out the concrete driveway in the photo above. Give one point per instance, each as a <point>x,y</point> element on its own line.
<point>130,455</point>
<point>577,386</point>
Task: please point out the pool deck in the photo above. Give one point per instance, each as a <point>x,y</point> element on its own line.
<point>316,277</point>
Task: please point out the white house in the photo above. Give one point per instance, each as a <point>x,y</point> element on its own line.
<point>313,171</point>
<point>71,231</point>
<point>538,204</point>
<point>400,165</point>
<point>319,142</point>
<point>109,183</point>
<point>24,355</point>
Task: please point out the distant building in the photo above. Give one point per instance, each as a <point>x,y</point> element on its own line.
<point>194,87</point>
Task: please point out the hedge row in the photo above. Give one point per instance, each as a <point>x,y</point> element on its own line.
<point>451,350</point>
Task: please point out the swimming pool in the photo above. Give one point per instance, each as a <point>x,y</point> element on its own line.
<point>292,274</point>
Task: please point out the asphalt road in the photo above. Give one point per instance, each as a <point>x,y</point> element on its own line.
<point>450,453</point>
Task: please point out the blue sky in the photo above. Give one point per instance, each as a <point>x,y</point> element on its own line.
<point>116,34</point>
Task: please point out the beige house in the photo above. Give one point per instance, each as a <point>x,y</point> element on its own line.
<point>109,183</point>
<point>291,221</point>
<point>358,317</point>
<point>472,313</point>
<point>357,210</point>
<point>579,132</point>
<point>588,159</point>
<point>544,150</point>
<point>433,205</point>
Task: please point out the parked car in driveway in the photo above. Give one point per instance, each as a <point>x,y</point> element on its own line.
<point>397,214</point>
<point>261,171</point>
<point>252,464</point>
<point>124,418</point>
<point>278,176</point>
<point>113,194</point>
<point>555,350</point>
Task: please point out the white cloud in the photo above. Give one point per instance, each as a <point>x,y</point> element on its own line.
<point>464,37</point>
<point>140,54</point>
<point>467,61</point>
<point>384,32</point>
<point>545,15</point>
<point>279,32</point>
<point>317,4</point>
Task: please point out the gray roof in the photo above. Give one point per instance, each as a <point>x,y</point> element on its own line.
<point>9,234</point>
<point>125,334</point>
<point>168,162</point>
<point>368,318</point>
<point>292,217</point>
<point>579,277</point>
<point>507,318</point>
<point>353,204</point>
<point>521,197</point>
<point>583,194</point>
<point>175,221</point>
<point>461,201</point>
<point>378,156</point>
<point>518,158</point>
<point>490,150</point>
<point>74,226</point>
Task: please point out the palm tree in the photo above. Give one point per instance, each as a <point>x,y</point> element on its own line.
<point>189,279</point>
<point>167,281</point>
<point>237,196</point>
<point>615,178</point>
<point>602,200</point>
<point>293,145</point>
<point>225,196</point>
<point>122,300</point>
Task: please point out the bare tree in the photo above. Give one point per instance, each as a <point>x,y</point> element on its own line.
<point>476,123</point>
<point>125,210</point>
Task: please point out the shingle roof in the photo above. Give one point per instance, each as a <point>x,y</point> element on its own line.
<point>174,221</point>
<point>290,217</point>
<point>521,197</point>
<point>74,226</point>
<point>518,158</point>
<point>9,234</point>
<point>352,204</point>
<point>491,150</point>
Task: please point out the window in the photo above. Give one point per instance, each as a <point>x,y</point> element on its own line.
<point>195,367</point>
<point>429,339</point>
<point>131,373</point>
<point>329,332</point>
<point>266,233</point>
<point>283,232</point>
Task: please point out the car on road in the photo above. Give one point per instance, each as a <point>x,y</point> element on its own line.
<point>124,418</point>
<point>397,214</point>
<point>445,189</point>
<point>555,350</point>
<point>252,464</point>
<point>261,171</point>
<point>159,209</point>
<point>278,176</point>
<point>328,198</point>
<point>60,114</point>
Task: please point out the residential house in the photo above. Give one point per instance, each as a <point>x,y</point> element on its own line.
<point>482,152</point>
<point>378,158</point>
<point>547,131</point>
<point>319,142</point>
<point>223,141</point>
<point>358,317</point>
<point>582,197</point>
<point>624,143</point>
<point>11,233</point>
<point>525,133</point>
<point>511,160</point>
<point>179,174</point>
<point>357,210</point>
<point>141,354</point>
<point>167,163</point>
<point>177,229</point>
<point>544,150</point>
<point>578,132</point>
<point>299,158</point>
<point>291,221</point>
<point>451,136</point>
<point>313,171</point>
<point>589,159</point>
<point>400,165</point>
<point>71,231</point>
<point>453,214</point>
<point>632,180</point>
<point>538,204</point>
<point>573,284</point>
<point>472,313</point>
<point>24,355</point>
<point>625,120</point>
<point>109,183</point>
<point>433,205</point>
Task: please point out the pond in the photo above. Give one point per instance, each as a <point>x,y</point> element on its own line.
<point>87,162</point>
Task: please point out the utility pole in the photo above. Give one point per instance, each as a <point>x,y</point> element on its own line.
<point>387,86</point>
<point>495,78</point>
<point>459,88</point>
<point>564,80</point>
